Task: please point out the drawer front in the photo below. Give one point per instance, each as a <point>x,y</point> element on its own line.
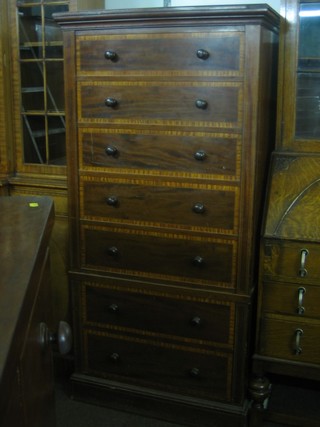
<point>292,261</point>
<point>169,54</point>
<point>173,368</point>
<point>170,204</point>
<point>159,314</point>
<point>294,299</point>
<point>161,103</point>
<point>291,339</point>
<point>215,155</point>
<point>168,256</point>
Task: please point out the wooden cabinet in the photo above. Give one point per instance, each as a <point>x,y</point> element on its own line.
<point>170,126</point>
<point>26,366</point>
<point>288,316</point>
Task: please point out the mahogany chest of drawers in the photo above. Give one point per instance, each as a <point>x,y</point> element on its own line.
<point>170,125</point>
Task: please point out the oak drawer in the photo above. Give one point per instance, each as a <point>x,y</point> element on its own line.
<point>158,54</point>
<point>161,103</point>
<point>291,261</point>
<point>169,203</point>
<point>152,363</point>
<point>157,313</point>
<point>291,338</point>
<point>167,256</point>
<point>197,153</point>
<point>291,298</point>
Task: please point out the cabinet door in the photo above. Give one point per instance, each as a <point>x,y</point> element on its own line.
<point>299,119</point>
<point>36,364</point>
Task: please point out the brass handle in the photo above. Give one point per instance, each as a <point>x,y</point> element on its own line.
<point>303,257</point>
<point>203,54</point>
<point>112,201</point>
<point>298,334</point>
<point>301,292</point>
<point>111,151</point>
<point>199,208</point>
<point>201,104</point>
<point>200,155</point>
<point>111,102</point>
<point>111,55</point>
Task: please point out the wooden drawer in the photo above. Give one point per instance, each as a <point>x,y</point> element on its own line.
<point>178,257</point>
<point>161,103</point>
<point>216,155</point>
<point>283,261</point>
<point>158,54</point>
<point>157,313</point>
<point>291,298</point>
<point>152,363</point>
<point>280,338</point>
<point>167,203</point>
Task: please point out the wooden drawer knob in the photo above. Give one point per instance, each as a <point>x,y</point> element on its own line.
<point>196,321</point>
<point>199,208</point>
<point>113,251</point>
<point>111,55</point>
<point>112,201</point>
<point>114,357</point>
<point>113,308</point>
<point>112,151</point>
<point>198,261</point>
<point>111,102</point>
<point>201,104</point>
<point>194,372</point>
<point>203,54</point>
<point>200,155</point>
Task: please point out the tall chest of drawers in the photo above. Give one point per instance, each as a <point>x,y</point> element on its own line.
<point>170,116</point>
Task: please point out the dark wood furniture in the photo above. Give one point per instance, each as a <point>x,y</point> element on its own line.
<point>26,377</point>
<point>288,333</point>
<point>170,118</point>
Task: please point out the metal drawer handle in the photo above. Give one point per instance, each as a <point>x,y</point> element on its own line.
<point>201,104</point>
<point>111,55</point>
<point>303,256</point>
<point>203,54</point>
<point>298,334</point>
<point>301,292</point>
<point>111,102</point>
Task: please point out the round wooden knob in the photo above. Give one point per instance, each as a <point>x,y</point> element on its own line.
<point>112,201</point>
<point>194,372</point>
<point>112,151</point>
<point>201,104</point>
<point>200,155</point>
<point>111,102</point>
<point>199,208</point>
<point>113,251</point>
<point>114,357</point>
<point>198,261</point>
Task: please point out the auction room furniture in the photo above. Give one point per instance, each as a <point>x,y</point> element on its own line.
<point>288,334</point>
<point>170,122</point>
<point>26,376</point>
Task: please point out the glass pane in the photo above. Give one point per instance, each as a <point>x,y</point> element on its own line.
<point>57,152</point>
<point>34,132</point>
<point>308,77</point>
<point>29,24</point>
<point>32,86</point>
<point>53,34</point>
<point>55,86</point>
